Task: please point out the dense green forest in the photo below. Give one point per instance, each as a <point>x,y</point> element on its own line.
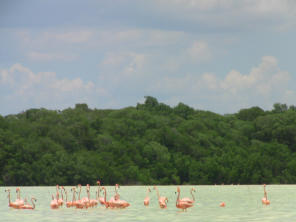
<point>151,143</point>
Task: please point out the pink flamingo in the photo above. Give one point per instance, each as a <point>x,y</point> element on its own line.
<point>114,203</point>
<point>182,204</point>
<point>79,203</point>
<point>147,198</point>
<point>162,201</point>
<point>54,203</point>
<point>60,201</point>
<point>118,203</point>
<point>19,201</point>
<point>29,207</point>
<point>264,199</point>
<point>116,197</point>
<point>105,197</point>
<point>222,204</point>
<point>68,203</point>
<point>93,202</point>
<point>187,199</point>
<point>121,204</point>
<point>11,204</point>
<point>74,202</point>
<point>86,200</point>
<point>101,199</point>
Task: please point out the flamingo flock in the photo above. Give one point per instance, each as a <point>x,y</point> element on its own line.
<point>19,203</point>
<point>115,202</point>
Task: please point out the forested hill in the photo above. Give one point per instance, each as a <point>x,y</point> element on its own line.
<point>151,143</point>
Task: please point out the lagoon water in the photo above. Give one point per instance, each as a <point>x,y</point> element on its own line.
<point>243,203</point>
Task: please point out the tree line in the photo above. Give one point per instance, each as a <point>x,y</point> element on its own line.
<point>151,143</point>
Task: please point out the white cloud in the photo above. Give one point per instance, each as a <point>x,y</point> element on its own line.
<point>210,80</point>
<point>262,79</point>
<point>124,64</point>
<point>264,85</point>
<point>25,89</point>
<point>199,51</point>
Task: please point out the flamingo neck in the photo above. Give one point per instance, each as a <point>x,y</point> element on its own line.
<point>178,198</point>
<point>9,201</point>
<point>73,197</point>
<point>192,195</point>
<point>88,194</point>
<point>157,193</point>
<point>66,194</point>
<point>99,191</point>
<point>79,194</point>
<point>57,194</point>
<point>105,195</point>
<point>33,204</point>
<point>265,194</point>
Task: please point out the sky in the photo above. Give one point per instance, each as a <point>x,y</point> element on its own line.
<point>216,55</point>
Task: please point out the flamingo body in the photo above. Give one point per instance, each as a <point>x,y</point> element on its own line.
<point>29,207</point>
<point>182,204</point>
<point>222,204</point>
<point>146,201</point>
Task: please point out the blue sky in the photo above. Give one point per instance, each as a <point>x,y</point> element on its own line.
<point>213,55</point>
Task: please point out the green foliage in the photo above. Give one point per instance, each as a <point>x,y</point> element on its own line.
<point>151,143</point>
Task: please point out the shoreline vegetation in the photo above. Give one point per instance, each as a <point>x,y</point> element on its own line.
<point>151,143</point>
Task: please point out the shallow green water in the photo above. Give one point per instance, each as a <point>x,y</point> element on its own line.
<point>243,203</point>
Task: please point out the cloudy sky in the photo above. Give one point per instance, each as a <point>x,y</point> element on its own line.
<point>217,55</point>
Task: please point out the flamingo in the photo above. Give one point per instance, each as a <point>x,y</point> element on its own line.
<point>121,204</point>
<point>79,203</point>
<point>222,204</point>
<point>93,202</point>
<point>114,203</point>
<point>117,201</point>
<point>182,204</point>
<point>105,195</point>
<point>60,201</point>
<point>29,207</point>
<point>264,199</point>
<point>86,200</point>
<point>147,198</point>
<point>11,204</point>
<point>187,199</point>
<point>19,201</point>
<point>162,201</point>
<point>115,197</point>
<point>74,202</point>
<point>101,199</point>
<point>68,203</point>
<point>54,203</point>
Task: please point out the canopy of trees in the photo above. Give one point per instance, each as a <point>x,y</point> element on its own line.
<point>151,143</point>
